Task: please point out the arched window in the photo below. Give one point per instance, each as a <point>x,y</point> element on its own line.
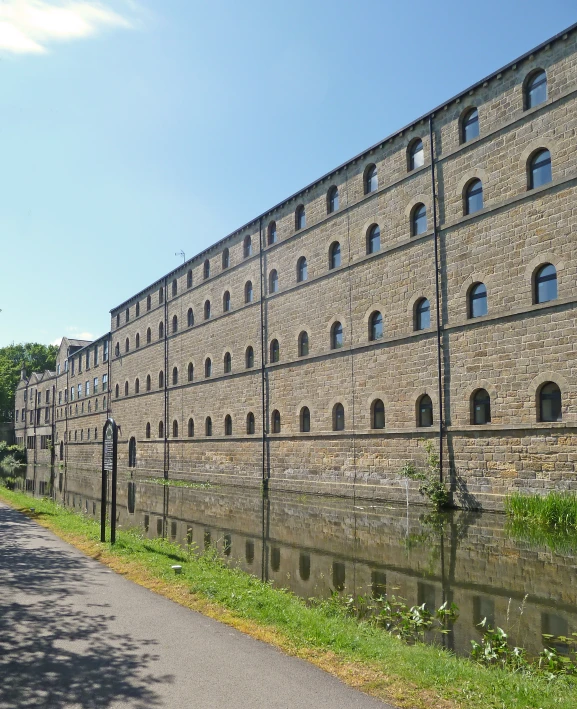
<point>227,363</point>
<point>416,154</point>
<point>226,302</point>
<point>273,281</point>
<point>335,255</point>
<point>190,428</point>
<point>148,430</point>
<point>207,367</point>
<point>249,357</point>
<point>136,386</point>
<point>174,287</point>
<point>478,305</point>
<point>545,288</point>
<point>174,323</point>
<point>148,382</point>
<point>207,309</point>
<point>378,414</point>
<point>376,326</point>
<point>125,388</point>
<point>208,426</point>
<point>228,425</point>
<point>161,380</point>
<point>469,125</point>
<point>336,336</point>
<point>148,302</point>
<point>300,217</point>
<point>338,417</point>
<point>539,169</point>
<point>302,269</point>
<point>550,402</point>
<point>536,89</point>
<point>271,233</point>
<point>137,340</point>
<point>148,335</point>
<point>160,330</point>
<point>422,314</point>
<point>116,350</point>
<point>189,279</point>
<point>303,344</point>
<point>274,351</point>
<point>305,419</point>
<point>225,259</point>
<point>175,429</point>
<point>480,407</point>
<point>418,220</point>
<point>373,239</point>
<point>248,292</point>
<point>206,269</point>
<point>127,345</point>
<point>247,247</point>
<point>161,295</point>
<point>425,411</point>
<point>116,393</point>
<point>473,197</point>
<point>332,200</point>
<point>190,371</point>
<point>371,179</point>
<point>190,318</point>
<point>250,423</point>
<point>175,376</point>
<point>161,429</point>
<point>275,421</point>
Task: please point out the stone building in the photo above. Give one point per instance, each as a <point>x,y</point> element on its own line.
<point>425,289</point>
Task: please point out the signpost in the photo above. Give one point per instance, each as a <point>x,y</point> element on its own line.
<point>109,455</point>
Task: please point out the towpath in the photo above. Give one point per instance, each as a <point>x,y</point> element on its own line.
<point>75,635</point>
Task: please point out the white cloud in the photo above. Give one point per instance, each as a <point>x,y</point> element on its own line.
<point>80,336</point>
<point>27,26</point>
<point>56,342</point>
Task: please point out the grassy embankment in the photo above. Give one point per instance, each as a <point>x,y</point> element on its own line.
<point>360,654</point>
<point>549,519</point>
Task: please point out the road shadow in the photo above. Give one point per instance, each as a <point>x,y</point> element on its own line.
<point>53,652</point>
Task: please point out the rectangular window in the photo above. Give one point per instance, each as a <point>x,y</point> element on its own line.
<point>87,359</point>
<point>47,396</point>
<point>66,365</point>
<point>104,382</point>
<point>87,389</point>
<point>30,442</point>
<point>47,414</point>
<point>32,417</point>
<point>80,391</point>
<point>105,351</point>
<point>59,398</point>
<point>17,414</point>
<point>25,396</point>
<point>72,370</point>
<point>95,386</point>
<point>23,415</point>
<point>71,393</point>
<point>79,364</point>
<point>95,356</point>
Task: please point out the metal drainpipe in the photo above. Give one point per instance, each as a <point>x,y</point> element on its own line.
<point>262,355</point>
<point>166,444</point>
<point>437,298</point>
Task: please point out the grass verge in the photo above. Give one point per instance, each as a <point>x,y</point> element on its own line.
<point>363,656</point>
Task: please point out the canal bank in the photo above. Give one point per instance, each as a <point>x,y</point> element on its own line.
<point>418,676</point>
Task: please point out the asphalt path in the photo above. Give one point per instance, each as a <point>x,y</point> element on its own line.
<point>74,634</point>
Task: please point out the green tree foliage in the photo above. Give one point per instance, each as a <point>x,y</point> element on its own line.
<point>34,357</point>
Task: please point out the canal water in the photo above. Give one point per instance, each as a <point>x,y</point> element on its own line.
<point>316,545</point>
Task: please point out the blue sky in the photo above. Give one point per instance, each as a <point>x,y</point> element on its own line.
<point>132,129</point>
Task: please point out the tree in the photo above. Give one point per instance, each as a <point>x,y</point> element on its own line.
<point>34,357</point>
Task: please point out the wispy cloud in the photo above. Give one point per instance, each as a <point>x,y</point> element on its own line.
<point>56,342</point>
<point>28,26</point>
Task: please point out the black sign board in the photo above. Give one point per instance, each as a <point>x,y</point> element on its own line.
<point>109,455</point>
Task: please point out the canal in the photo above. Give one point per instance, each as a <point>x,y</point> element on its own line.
<point>316,546</point>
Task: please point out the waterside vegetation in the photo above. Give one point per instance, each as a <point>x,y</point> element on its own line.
<point>380,651</point>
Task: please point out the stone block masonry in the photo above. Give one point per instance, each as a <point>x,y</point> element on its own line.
<point>302,350</point>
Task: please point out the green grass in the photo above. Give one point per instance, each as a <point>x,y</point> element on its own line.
<point>414,676</point>
<point>177,483</point>
<point>555,510</point>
